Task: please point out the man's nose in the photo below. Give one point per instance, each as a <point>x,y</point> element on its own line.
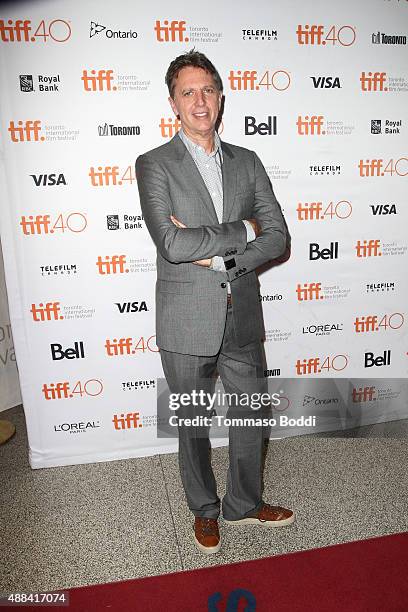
<point>200,98</point>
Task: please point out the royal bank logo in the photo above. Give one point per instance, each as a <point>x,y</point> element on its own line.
<point>26,82</point>
<point>390,127</point>
<point>97,28</point>
<point>108,129</point>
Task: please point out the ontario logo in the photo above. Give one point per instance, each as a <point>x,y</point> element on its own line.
<point>97,28</point>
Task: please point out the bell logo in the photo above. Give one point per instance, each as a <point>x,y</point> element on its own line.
<point>368,248</point>
<point>382,360</point>
<point>373,81</point>
<point>112,264</point>
<point>58,353</point>
<point>363,394</point>
<point>309,291</point>
<point>171,33</point>
<point>128,421</point>
<point>263,129</point>
<point>25,131</point>
<point>100,80</point>
<point>310,126</point>
<point>170,127</point>
<point>49,312</point>
<point>330,253</point>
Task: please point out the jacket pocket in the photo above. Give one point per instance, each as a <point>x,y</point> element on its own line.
<point>178,287</point>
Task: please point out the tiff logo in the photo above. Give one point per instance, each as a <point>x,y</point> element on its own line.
<point>25,131</point>
<point>309,211</point>
<point>371,167</point>
<point>112,264</point>
<point>12,33</point>
<point>100,80</point>
<point>310,126</point>
<point>170,33</point>
<point>169,128</point>
<point>39,225</point>
<point>128,421</point>
<point>309,291</point>
<point>49,312</point>
<point>54,391</point>
<point>373,82</point>
<point>370,248</point>
<point>104,176</point>
<point>307,366</point>
<point>363,394</point>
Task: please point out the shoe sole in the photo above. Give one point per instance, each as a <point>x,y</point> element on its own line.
<point>255,521</point>
<point>208,550</point>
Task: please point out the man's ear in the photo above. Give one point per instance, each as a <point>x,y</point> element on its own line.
<point>173,106</point>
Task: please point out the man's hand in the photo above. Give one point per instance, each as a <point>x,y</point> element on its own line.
<point>255,226</point>
<point>206,263</point>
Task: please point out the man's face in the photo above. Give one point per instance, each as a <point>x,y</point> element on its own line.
<point>197,101</point>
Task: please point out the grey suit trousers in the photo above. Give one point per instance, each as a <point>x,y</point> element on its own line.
<point>241,369</point>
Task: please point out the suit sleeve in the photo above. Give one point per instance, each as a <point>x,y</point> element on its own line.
<point>272,242</point>
<point>175,244</point>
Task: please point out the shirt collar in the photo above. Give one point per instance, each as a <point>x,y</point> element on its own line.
<point>195,148</point>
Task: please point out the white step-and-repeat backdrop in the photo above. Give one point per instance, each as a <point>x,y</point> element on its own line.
<point>318,89</point>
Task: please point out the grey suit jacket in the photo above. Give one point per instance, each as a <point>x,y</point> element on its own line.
<point>191,300</point>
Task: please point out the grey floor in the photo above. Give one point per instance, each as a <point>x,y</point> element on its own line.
<point>96,523</point>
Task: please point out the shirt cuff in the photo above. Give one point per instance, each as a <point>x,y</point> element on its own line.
<point>217,264</point>
<point>250,231</point>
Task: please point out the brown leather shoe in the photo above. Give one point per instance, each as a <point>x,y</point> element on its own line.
<point>268,516</point>
<point>207,535</point>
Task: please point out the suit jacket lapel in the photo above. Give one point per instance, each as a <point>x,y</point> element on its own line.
<point>188,168</point>
<point>229,180</point>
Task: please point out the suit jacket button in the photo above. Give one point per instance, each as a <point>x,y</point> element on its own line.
<point>223,285</point>
<point>244,269</point>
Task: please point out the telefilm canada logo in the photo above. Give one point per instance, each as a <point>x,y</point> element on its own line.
<point>65,269</point>
<point>255,34</point>
<point>96,29</point>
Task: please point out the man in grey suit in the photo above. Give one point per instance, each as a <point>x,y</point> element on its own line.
<point>212,214</point>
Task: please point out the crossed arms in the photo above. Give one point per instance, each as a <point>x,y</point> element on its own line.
<point>182,244</point>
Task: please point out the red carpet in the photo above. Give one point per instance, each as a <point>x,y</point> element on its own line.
<point>369,575</point>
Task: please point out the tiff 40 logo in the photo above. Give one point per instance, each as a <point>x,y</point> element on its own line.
<point>107,176</point>
<point>316,35</point>
<point>315,211</point>
<point>129,346</point>
<point>316,365</point>
<point>57,30</point>
<point>379,167</point>
<point>64,389</point>
<point>75,222</point>
<point>248,80</point>
<point>370,323</point>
